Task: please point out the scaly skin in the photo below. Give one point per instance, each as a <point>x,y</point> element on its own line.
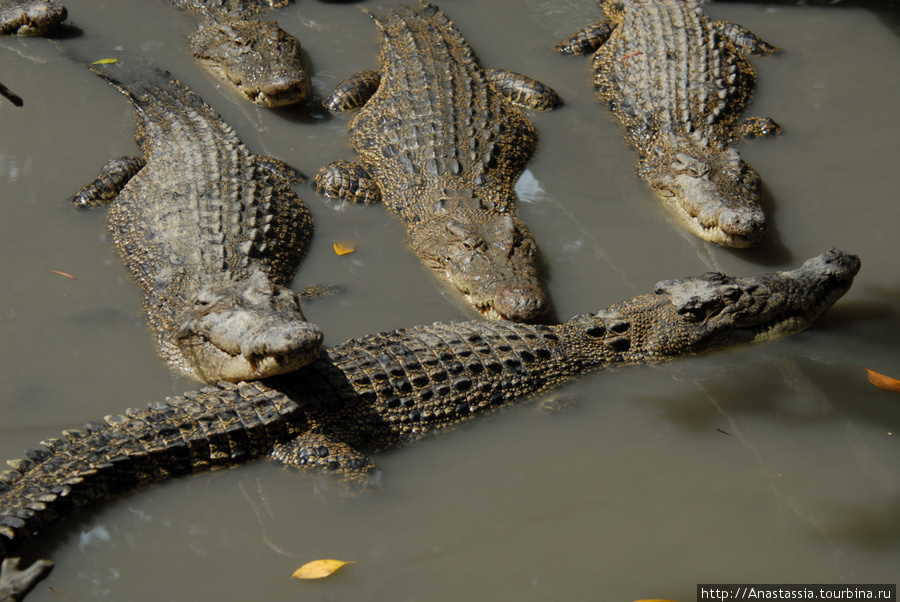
<point>31,17</point>
<point>387,390</point>
<point>257,58</point>
<point>441,145</point>
<point>678,82</point>
<point>212,234</point>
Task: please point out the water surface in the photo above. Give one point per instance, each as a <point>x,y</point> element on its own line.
<point>777,463</point>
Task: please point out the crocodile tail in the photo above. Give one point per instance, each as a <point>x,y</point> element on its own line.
<point>217,426</point>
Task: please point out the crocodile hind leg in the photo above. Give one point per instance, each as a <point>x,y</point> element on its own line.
<point>353,92</point>
<point>112,179</point>
<point>319,453</point>
<point>522,90</point>
<point>759,127</point>
<point>587,39</point>
<point>347,181</point>
<point>15,583</point>
<point>743,39</point>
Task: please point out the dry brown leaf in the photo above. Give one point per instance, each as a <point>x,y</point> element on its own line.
<point>883,382</point>
<point>319,568</point>
<point>343,247</point>
<point>104,62</point>
<point>63,274</point>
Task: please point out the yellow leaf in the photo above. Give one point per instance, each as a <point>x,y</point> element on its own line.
<point>104,62</point>
<point>343,247</point>
<point>319,568</point>
<point>883,382</point>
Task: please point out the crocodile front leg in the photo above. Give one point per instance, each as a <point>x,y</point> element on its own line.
<point>106,186</point>
<point>279,169</point>
<point>743,39</point>
<point>347,181</point>
<point>522,90</point>
<point>15,583</point>
<point>587,39</point>
<point>320,453</point>
<point>353,92</point>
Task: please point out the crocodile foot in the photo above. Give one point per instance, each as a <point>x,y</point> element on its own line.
<point>15,583</point>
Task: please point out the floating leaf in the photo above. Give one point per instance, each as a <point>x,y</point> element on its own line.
<point>104,62</point>
<point>883,382</point>
<point>343,247</point>
<point>319,568</point>
<point>63,274</point>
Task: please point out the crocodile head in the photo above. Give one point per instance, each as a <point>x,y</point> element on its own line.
<point>713,193</point>
<point>490,257</point>
<point>245,329</point>
<point>258,58</point>
<point>31,17</point>
<point>715,311</point>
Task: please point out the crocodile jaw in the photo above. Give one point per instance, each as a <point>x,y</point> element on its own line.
<point>244,329</point>
<point>32,18</point>
<point>259,59</point>
<point>720,311</point>
<point>243,345</point>
<point>712,192</point>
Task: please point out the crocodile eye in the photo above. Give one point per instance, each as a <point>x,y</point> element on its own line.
<point>468,239</point>
<point>732,293</point>
<point>665,192</point>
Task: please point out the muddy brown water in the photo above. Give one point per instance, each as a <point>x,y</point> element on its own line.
<point>776,463</point>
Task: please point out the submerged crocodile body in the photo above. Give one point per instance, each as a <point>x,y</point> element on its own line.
<point>212,234</point>
<point>441,145</point>
<point>258,58</point>
<point>31,17</point>
<point>389,389</point>
<point>678,82</point>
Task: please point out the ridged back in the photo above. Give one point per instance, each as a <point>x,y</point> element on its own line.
<point>213,8</point>
<point>200,205</point>
<point>434,114</point>
<point>665,65</point>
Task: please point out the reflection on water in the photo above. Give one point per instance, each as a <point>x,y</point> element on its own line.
<point>771,464</point>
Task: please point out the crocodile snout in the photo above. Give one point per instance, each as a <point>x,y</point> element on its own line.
<point>520,303</point>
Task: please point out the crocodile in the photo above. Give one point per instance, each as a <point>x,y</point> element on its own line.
<point>441,145</point>
<point>31,17</point>
<point>257,58</point>
<point>678,82</point>
<point>387,390</point>
<point>212,234</point>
